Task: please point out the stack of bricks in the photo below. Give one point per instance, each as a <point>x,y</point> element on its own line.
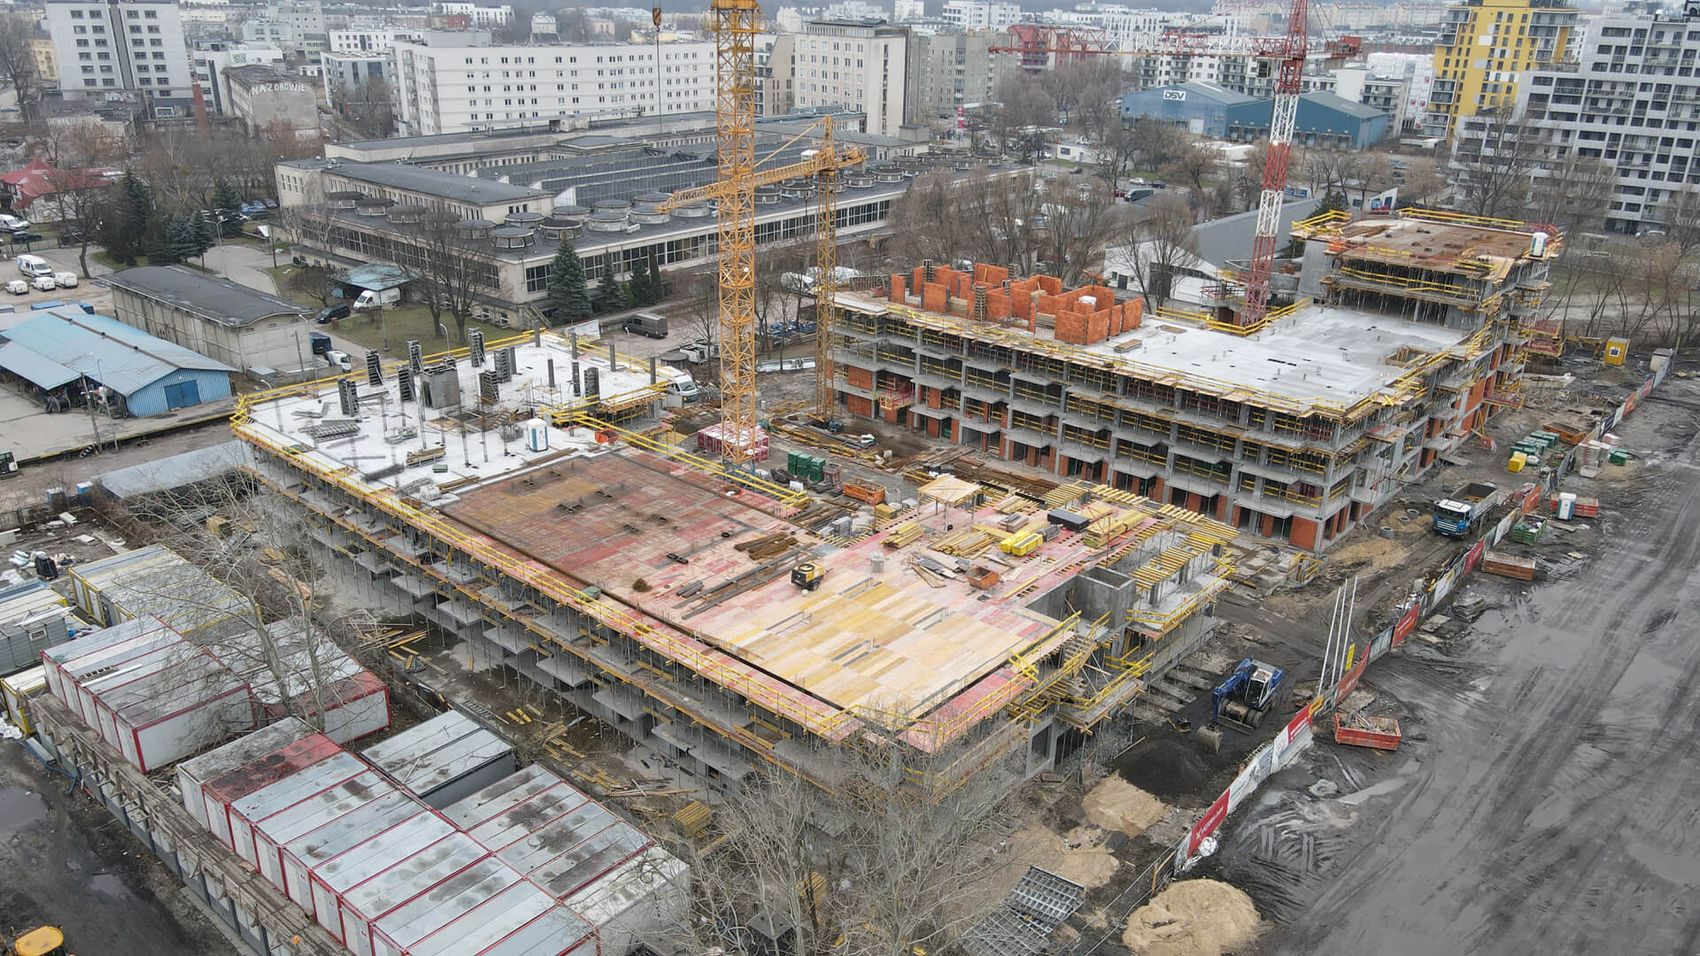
<point>1081,316</point>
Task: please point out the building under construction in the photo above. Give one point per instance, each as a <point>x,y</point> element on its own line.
<point>716,618</point>
<point>1408,332</point>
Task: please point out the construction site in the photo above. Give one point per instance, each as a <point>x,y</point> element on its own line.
<point>1407,335</point>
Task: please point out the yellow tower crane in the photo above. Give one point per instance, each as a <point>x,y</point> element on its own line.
<point>735,25</point>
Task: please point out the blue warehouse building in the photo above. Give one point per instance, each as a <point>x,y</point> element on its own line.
<point>62,352</point>
<point>1206,109</point>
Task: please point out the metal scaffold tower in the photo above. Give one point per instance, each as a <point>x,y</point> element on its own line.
<point>826,269</point>
<point>736,23</point>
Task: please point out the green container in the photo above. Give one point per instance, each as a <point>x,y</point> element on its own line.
<point>817,467</point>
<point>794,462</point>
<point>1619,458</point>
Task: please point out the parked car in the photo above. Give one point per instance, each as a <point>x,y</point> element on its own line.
<point>331,313</point>
<point>648,324</point>
<point>66,280</point>
<point>27,237</point>
<point>70,237</point>
<point>18,287</point>
<point>13,223</point>
<point>43,284</point>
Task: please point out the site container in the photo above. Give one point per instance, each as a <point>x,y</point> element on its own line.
<point>525,819</point>
<point>295,669</point>
<point>176,711</point>
<point>192,774</point>
<point>272,833</point>
<point>501,796</point>
<point>69,663</point>
<point>648,893</point>
<point>335,837</point>
<point>32,617</point>
<point>567,853</point>
<point>508,926</point>
<point>222,791</point>
<point>260,805</point>
<point>92,687</point>
<point>367,859</point>
<point>17,690</point>
<point>444,903</point>
<point>443,759</point>
<point>408,877</point>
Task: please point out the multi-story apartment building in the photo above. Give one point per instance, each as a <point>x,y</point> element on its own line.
<point>1485,47</point>
<point>1397,349</point>
<point>346,73</point>
<point>477,15</point>
<point>136,45</point>
<point>775,73</point>
<point>213,57</point>
<point>46,62</point>
<point>957,70</point>
<point>981,14</point>
<point>447,89</point>
<point>368,40</point>
<point>860,65</point>
<point>1632,102</point>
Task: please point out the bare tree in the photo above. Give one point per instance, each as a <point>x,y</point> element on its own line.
<point>1573,195</point>
<point>1420,181</point>
<point>1156,143</point>
<point>1116,148</point>
<point>450,274</point>
<point>17,62</point>
<point>887,859</point>
<point>984,217</point>
<point>1679,217</point>
<point>1079,218</point>
<point>366,105</point>
<point>1193,164</point>
<point>1493,164</point>
<point>79,200</point>
<point>1021,116</point>
<point>1156,247</point>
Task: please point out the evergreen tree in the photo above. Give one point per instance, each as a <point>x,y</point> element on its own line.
<point>226,196</point>
<point>637,291</point>
<point>206,233</point>
<point>183,239</point>
<point>657,291</point>
<point>124,221</point>
<point>609,296</point>
<point>569,295</point>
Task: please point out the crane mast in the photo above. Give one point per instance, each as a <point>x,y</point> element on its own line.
<point>1289,54</point>
<point>735,24</point>
<point>826,269</point>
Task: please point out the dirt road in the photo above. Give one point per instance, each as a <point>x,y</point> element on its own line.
<point>1548,800</point>
<point>67,862</point>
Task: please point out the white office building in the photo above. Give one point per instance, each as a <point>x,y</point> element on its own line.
<point>448,89</point>
<point>855,65</point>
<point>1633,102</point>
<point>981,15</point>
<point>367,41</point>
<point>134,45</point>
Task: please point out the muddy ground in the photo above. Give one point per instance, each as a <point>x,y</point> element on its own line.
<point>67,862</point>
<point>1545,795</point>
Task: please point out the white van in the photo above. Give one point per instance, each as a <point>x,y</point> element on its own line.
<point>373,299</point>
<point>34,266</point>
<point>681,388</point>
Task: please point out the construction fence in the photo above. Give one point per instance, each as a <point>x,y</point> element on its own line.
<point>1296,736</point>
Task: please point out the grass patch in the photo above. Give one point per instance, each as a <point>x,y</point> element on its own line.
<point>395,326</point>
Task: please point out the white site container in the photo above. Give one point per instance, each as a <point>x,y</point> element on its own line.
<point>366,860</point>
<point>176,712</point>
<point>193,773</point>
<point>377,897</point>
<point>257,806</point>
<point>227,788</point>
<point>91,687</point>
<point>646,895</point>
<point>310,850</point>
<point>395,934</point>
<point>97,653</point>
<point>596,853</point>
<point>316,675</point>
<point>443,759</point>
<point>501,796</point>
<point>521,922</point>
<point>523,820</point>
<point>275,831</point>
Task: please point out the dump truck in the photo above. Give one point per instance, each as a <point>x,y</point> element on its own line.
<point>1459,513</point>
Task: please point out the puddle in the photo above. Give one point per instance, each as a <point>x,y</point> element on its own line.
<point>18,809</point>
<point>109,886</point>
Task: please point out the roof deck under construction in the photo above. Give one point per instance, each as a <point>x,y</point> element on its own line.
<point>1407,333</point>
<point>654,589</point>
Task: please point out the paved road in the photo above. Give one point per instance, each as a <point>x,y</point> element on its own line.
<point>1550,804</point>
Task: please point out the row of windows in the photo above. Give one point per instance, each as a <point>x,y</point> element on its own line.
<point>564,87</point>
<point>636,58</point>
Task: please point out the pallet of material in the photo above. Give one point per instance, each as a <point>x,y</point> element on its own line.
<point>874,495</point>
<point>424,455</point>
<point>1509,565</point>
<point>903,535</point>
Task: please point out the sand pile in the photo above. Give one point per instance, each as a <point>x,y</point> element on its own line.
<point>1078,856</point>
<point>1193,918</point>
<point>1115,804</point>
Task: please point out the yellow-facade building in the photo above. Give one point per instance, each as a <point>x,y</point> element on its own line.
<point>1484,47</point>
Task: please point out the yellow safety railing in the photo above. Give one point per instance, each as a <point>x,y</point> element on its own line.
<point>1409,285</point>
